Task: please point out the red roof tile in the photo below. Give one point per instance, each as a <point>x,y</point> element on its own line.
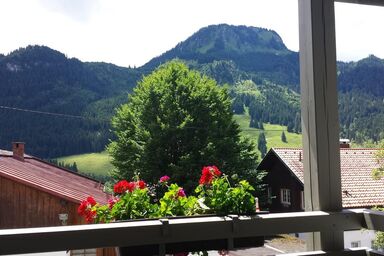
<point>51,179</point>
<point>359,189</point>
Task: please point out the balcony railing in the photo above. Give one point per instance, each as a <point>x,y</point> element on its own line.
<point>321,163</point>
<point>167,231</point>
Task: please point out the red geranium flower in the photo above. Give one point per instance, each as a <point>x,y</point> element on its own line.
<point>82,208</point>
<point>131,186</point>
<point>141,184</point>
<point>89,216</point>
<point>85,209</point>
<point>208,173</point>
<point>121,186</point>
<point>91,201</point>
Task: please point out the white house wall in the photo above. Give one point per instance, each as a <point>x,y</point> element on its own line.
<point>364,236</point>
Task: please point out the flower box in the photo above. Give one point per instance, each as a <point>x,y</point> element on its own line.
<point>215,196</point>
<point>195,246</point>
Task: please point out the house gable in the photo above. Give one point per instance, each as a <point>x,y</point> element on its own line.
<point>359,188</point>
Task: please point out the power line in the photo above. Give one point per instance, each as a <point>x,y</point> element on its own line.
<point>106,120</point>
<point>50,113</point>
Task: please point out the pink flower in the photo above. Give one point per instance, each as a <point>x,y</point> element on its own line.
<point>112,201</point>
<point>181,192</point>
<point>164,179</point>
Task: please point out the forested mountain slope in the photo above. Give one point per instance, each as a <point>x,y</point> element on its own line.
<point>261,74</point>
<point>41,79</point>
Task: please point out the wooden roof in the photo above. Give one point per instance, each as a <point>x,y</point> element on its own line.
<point>359,188</point>
<point>52,179</point>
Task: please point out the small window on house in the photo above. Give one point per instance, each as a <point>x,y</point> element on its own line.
<point>355,244</point>
<point>302,200</point>
<point>285,196</point>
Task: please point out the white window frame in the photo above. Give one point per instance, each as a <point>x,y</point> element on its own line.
<point>302,200</point>
<point>355,244</point>
<point>285,196</point>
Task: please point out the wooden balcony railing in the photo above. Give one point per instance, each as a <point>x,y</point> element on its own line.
<point>166,231</point>
<point>321,163</point>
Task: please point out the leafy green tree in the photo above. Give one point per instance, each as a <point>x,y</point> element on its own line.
<point>262,144</point>
<point>378,173</point>
<point>378,243</point>
<point>283,137</point>
<point>175,122</point>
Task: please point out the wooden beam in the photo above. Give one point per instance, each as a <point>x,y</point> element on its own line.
<point>374,220</point>
<point>136,233</point>
<point>319,112</point>
<point>365,2</point>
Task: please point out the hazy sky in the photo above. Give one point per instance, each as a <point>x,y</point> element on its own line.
<point>131,32</point>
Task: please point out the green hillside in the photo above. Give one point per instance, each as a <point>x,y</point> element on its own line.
<point>99,163</point>
<point>272,133</point>
<point>73,101</point>
<point>96,163</point>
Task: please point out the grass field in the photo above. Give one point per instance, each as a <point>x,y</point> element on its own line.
<point>272,133</point>
<point>99,163</point>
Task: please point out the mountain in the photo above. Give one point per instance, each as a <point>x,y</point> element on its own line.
<point>361,105</point>
<point>366,75</point>
<point>41,79</point>
<point>256,51</point>
<point>261,73</point>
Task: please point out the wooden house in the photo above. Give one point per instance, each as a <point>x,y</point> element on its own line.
<point>35,193</point>
<point>359,189</point>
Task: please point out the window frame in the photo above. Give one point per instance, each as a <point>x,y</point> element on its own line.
<point>285,196</point>
<point>356,244</point>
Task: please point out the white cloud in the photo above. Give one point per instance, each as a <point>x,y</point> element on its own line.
<point>80,10</point>
<point>133,32</point>
<point>359,31</point>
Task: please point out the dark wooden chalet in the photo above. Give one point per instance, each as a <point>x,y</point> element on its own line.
<point>285,179</point>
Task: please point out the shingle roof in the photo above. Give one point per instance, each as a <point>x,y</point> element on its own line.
<point>359,189</point>
<point>50,178</point>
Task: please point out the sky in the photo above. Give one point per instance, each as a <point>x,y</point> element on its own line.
<point>131,32</point>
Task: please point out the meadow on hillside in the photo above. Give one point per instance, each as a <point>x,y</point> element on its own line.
<point>100,163</point>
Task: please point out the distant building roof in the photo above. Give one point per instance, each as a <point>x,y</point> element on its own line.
<point>52,179</point>
<point>359,188</point>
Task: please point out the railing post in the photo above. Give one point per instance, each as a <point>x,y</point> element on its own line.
<point>319,114</point>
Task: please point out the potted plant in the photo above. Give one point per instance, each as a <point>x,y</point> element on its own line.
<point>137,200</point>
